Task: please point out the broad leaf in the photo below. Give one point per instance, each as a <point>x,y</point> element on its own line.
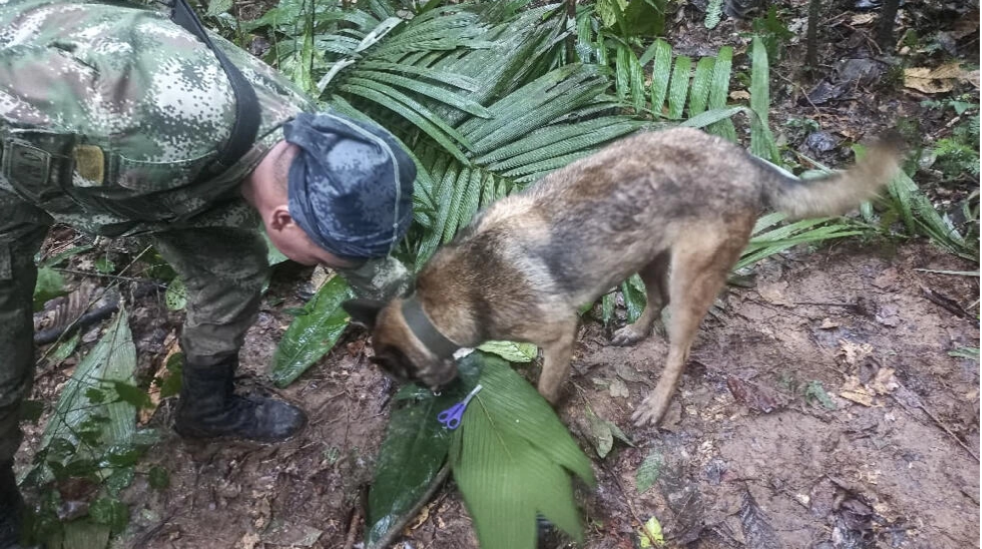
<point>50,284</point>
<point>176,296</point>
<point>648,472</point>
<point>414,450</point>
<point>511,457</point>
<point>112,360</point>
<point>313,333</point>
<point>511,351</point>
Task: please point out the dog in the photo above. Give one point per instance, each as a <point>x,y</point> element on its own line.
<point>675,206</point>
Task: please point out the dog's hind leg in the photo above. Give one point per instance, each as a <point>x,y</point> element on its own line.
<point>700,265</point>
<point>655,278</point>
<point>557,353</point>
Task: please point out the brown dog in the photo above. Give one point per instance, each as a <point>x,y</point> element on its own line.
<point>676,206</point>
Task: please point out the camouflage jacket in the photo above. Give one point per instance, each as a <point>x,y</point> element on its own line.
<point>109,113</point>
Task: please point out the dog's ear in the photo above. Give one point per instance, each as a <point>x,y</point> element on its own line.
<point>363,311</point>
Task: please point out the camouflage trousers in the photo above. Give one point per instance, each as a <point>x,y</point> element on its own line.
<point>223,269</point>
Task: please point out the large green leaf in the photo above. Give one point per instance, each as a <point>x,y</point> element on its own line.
<point>312,334</point>
<point>511,459</point>
<point>761,140</point>
<point>414,450</point>
<point>113,359</point>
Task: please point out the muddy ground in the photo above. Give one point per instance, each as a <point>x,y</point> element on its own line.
<point>820,407</point>
<point>748,459</point>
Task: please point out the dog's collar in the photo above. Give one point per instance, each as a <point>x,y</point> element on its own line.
<point>424,330</point>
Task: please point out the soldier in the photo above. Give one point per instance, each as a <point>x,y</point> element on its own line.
<point>111,119</point>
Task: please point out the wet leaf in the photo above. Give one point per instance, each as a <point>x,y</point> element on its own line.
<point>65,349</point>
<point>85,534</point>
<point>414,450</point>
<point>158,478</point>
<point>110,512</point>
<point>119,480</point>
<point>618,388</point>
<point>112,359</point>
<point>104,266</point>
<point>603,432</point>
<point>634,297</point>
<point>132,395</point>
<point>511,459</point>
<point>817,392</point>
<point>313,333</point>
<point>511,351</point>
<point>756,529</point>
<point>217,7</point>
<point>50,284</point>
<point>176,296</point>
<point>650,534</point>
<point>648,472</point>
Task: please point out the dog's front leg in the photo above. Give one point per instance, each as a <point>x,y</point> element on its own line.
<point>557,353</point>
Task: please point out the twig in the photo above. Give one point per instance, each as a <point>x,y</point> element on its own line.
<point>100,275</point>
<point>938,422</point>
<point>396,528</point>
<point>349,541</point>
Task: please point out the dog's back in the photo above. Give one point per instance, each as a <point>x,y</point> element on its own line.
<point>587,226</point>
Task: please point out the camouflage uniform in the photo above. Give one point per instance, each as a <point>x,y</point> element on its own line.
<point>108,116</point>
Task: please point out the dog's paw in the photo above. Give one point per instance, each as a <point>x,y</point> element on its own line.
<point>628,335</point>
<point>649,413</point>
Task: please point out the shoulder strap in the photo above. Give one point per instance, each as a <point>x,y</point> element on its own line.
<point>246,123</point>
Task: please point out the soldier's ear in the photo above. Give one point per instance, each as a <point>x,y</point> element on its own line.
<point>363,311</point>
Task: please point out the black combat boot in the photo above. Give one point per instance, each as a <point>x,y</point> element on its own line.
<point>11,508</point>
<point>209,407</point>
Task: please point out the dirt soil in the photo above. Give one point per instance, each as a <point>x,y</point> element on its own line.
<point>748,459</point>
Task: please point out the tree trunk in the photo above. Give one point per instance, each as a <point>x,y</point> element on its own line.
<point>811,40</point>
<point>885,35</point>
<point>571,38</point>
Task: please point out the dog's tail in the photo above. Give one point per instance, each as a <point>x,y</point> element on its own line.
<point>833,194</point>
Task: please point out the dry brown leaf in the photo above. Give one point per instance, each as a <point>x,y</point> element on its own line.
<point>249,541</point>
<point>884,382</point>
<point>938,80</point>
<point>162,373</point>
<point>862,18</point>
<point>740,95</point>
<point>421,518</point>
<point>854,352</point>
<point>853,390</point>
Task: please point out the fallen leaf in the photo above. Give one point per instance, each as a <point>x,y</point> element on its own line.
<point>648,472</point>
<point>618,388</point>
<point>853,390</point>
<point>422,517</point>
<point>249,541</point>
<point>738,95</point>
<point>650,534</point>
<point>627,373</point>
<point>938,80</point>
<point>753,396</point>
<point>884,382</point>
<point>862,18</point>
<point>854,352</point>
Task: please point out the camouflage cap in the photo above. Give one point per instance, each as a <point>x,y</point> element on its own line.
<point>350,186</point>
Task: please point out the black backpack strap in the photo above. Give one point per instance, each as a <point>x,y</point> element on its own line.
<point>246,124</point>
